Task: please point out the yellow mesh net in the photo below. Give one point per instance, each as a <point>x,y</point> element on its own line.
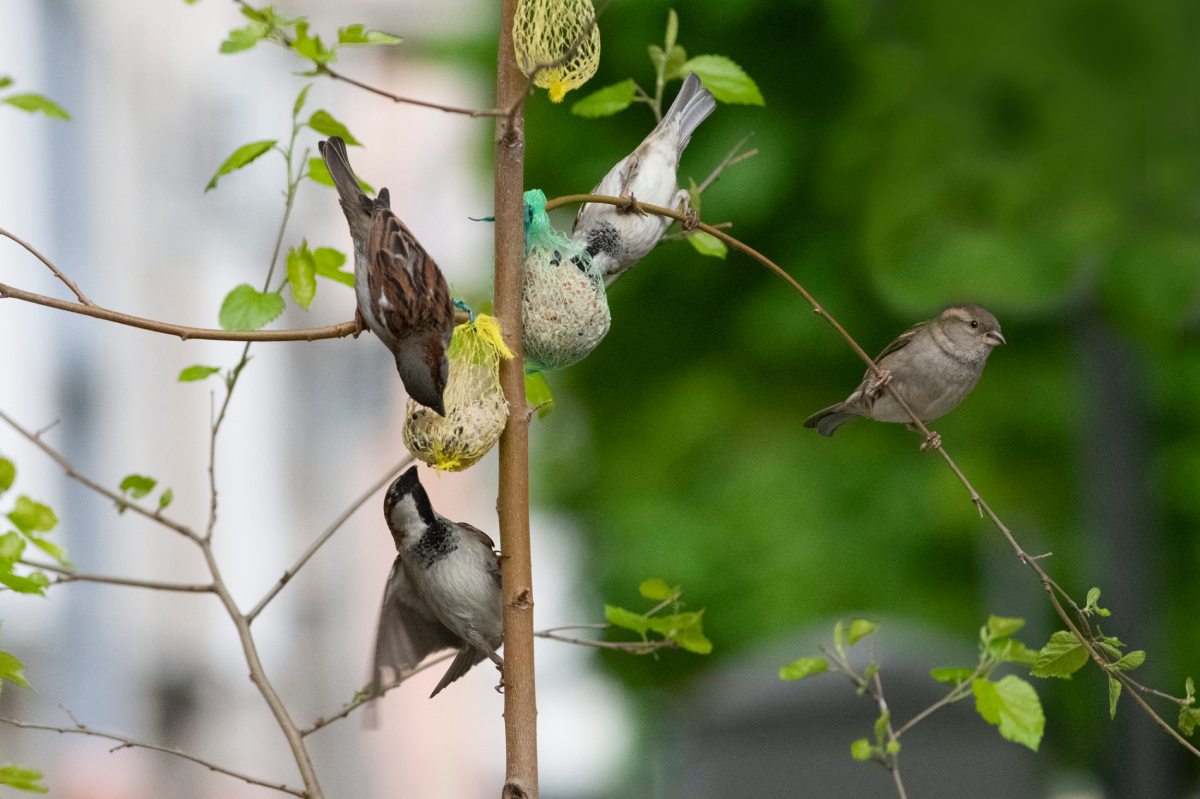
<point>476,411</point>
<point>544,31</point>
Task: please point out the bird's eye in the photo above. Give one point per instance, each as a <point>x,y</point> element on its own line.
<point>974,323</point>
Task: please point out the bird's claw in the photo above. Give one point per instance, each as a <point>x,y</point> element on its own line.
<point>630,205</point>
<point>359,323</point>
<point>691,219</point>
<point>932,441</point>
<point>885,380</point>
<point>500,686</point>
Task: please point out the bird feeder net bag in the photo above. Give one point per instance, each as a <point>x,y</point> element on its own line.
<point>563,304</point>
<point>543,32</point>
<point>476,411</point>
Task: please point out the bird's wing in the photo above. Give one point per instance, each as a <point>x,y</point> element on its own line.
<point>408,292</point>
<point>902,341</point>
<point>408,631</point>
<point>484,538</point>
<point>467,657</point>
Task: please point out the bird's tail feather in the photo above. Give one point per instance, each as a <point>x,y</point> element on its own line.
<point>467,657</point>
<point>692,106</point>
<point>827,421</point>
<point>337,161</point>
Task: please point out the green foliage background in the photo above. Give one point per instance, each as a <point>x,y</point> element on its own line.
<point>1041,158</point>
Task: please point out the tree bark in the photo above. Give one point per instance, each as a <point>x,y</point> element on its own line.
<point>512,505</point>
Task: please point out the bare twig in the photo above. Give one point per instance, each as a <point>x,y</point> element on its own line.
<point>70,284</point>
<point>156,516</point>
<point>634,647</point>
<point>363,697</point>
<point>325,536</point>
<point>129,743</point>
<point>71,576</point>
<point>396,98</point>
<point>729,161</point>
<point>1051,587</point>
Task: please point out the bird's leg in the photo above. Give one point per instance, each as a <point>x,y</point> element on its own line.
<point>691,218</point>
<point>883,381</point>
<point>359,323</point>
<point>630,205</point>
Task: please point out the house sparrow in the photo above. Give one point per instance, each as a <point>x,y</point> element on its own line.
<point>443,591</point>
<point>933,366</point>
<point>402,295</point>
<point>615,237</point>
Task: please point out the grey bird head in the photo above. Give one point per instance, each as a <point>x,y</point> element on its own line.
<point>425,369</point>
<point>971,326</point>
<point>407,509</point>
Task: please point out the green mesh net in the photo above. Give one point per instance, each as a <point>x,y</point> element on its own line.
<point>476,410</point>
<point>563,304</point>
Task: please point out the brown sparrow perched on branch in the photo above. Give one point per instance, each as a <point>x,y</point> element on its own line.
<point>402,295</point>
<point>443,592</point>
<point>933,366</point>
<point>615,236</point>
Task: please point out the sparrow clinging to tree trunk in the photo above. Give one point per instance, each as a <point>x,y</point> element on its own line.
<point>617,237</point>
<point>933,366</point>
<point>402,296</point>
<point>443,592</point>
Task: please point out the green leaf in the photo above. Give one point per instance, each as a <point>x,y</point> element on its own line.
<point>319,173</point>
<point>708,244</point>
<point>658,57</point>
<point>672,28</point>
<point>537,394</point>
<point>34,583</point>
<point>244,38</point>
<point>725,79</point>
<point>1012,704</point>
<point>138,486</point>
<point>23,779</point>
<point>656,589</point>
<point>1189,718</point>
<point>165,499</point>
<point>5,81</point>
<point>685,629</point>
<point>1190,688</point>
<point>193,373</point>
<point>240,158</point>
<point>893,747</point>
<point>952,675</point>
<point>246,308</point>
<point>1131,661</point>
<point>868,674</point>
<point>1062,656</point>
<point>12,670</point>
<point>354,34</point>
<point>607,101</point>
<point>859,629</point>
<point>627,619</point>
<point>1000,627</point>
<point>324,123</point>
<point>1093,597</point>
<point>329,262</point>
<point>861,749</point>
<point>881,724</point>
<point>31,517</point>
<point>8,473</point>
<point>12,547</point>
<point>1015,652</point>
<point>302,275</point>
<point>36,102</point>
<point>311,47</point>
<point>300,99</point>
<point>51,549</point>
<point>839,640</point>
<point>1114,693</point>
<point>674,67</point>
<point>799,669</point>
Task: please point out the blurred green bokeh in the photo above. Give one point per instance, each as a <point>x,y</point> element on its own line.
<point>1040,158</point>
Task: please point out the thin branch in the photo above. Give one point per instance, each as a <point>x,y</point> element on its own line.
<point>71,576</point>
<point>129,743</point>
<point>1051,587</point>
<point>396,98</point>
<point>121,501</point>
<point>729,161</point>
<point>325,536</point>
<point>183,332</point>
<point>70,284</point>
<point>363,697</point>
<point>634,647</point>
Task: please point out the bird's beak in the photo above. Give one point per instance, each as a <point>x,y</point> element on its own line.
<point>994,339</point>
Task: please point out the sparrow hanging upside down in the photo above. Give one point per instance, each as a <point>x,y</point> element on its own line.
<point>933,366</point>
<point>402,296</point>
<point>616,237</point>
<point>443,592</point>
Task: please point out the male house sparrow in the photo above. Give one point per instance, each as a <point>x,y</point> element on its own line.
<point>617,238</point>
<point>443,591</point>
<point>402,295</point>
<point>933,366</point>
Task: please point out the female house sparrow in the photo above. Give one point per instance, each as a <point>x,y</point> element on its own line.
<point>616,238</point>
<point>933,366</point>
<point>443,591</point>
<point>402,295</point>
